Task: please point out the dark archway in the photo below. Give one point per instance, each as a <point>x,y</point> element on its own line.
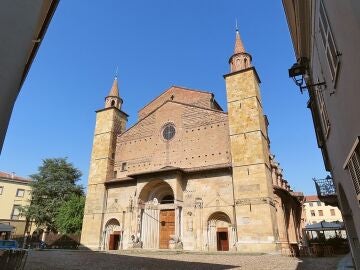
<point>157,190</point>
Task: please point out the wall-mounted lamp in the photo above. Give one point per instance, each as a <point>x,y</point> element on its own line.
<point>299,72</point>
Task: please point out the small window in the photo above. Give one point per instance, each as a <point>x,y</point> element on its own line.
<point>20,192</point>
<point>310,204</point>
<point>115,174</point>
<point>1,190</point>
<point>352,164</point>
<point>332,212</point>
<point>113,103</point>
<point>312,212</point>
<point>318,203</point>
<point>123,166</point>
<point>15,212</point>
<point>321,213</point>
<point>327,38</point>
<point>113,155</point>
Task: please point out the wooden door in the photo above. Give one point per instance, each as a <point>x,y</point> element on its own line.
<point>112,242</point>
<point>167,227</point>
<point>222,239</point>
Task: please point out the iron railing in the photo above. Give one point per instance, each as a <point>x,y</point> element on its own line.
<point>325,187</point>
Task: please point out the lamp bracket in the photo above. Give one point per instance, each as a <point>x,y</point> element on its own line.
<point>318,87</point>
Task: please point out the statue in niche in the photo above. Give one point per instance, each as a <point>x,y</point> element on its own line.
<point>155,201</point>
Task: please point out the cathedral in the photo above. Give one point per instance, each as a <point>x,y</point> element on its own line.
<point>189,175</point>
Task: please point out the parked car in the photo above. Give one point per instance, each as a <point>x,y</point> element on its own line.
<point>8,244</point>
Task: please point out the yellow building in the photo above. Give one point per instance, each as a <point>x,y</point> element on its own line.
<point>15,191</point>
<point>316,211</point>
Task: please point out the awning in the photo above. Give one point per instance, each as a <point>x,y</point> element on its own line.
<point>325,226</point>
<point>6,228</point>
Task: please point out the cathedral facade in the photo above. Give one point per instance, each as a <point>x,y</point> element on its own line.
<point>189,175</point>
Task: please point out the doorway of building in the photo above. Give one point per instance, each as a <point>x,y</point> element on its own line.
<point>114,240</point>
<point>222,239</point>
<point>167,227</point>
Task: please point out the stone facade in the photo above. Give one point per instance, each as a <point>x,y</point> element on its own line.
<point>188,175</point>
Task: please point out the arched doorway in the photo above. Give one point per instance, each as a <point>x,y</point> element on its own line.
<point>112,235</point>
<point>220,231</point>
<point>158,215</point>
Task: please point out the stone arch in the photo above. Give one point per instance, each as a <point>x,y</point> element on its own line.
<point>112,223</point>
<point>220,232</point>
<point>156,191</point>
<point>156,199</point>
<point>219,216</point>
<point>112,228</point>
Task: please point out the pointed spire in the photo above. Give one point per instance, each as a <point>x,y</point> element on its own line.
<point>114,91</point>
<point>240,59</point>
<point>113,99</point>
<point>239,47</point>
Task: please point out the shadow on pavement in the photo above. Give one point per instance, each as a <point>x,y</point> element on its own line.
<point>79,260</point>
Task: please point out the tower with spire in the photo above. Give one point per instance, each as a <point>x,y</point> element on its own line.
<point>254,209</point>
<point>240,59</point>
<point>110,122</point>
<point>114,99</point>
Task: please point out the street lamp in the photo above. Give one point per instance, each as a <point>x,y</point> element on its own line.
<point>299,72</point>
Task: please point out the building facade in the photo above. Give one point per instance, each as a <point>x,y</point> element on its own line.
<point>15,191</point>
<point>188,175</point>
<point>23,26</point>
<point>317,211</point>
<point>326,39</point>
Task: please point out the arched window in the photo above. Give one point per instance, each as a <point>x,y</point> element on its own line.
<point>112,103</point>
<point>245,62</point>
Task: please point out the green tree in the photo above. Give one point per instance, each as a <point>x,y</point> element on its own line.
<point>70,216</point>
<point>54,184</point>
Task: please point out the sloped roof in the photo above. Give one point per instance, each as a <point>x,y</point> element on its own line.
<point>311,198</point>
<point>13,177</point>
<point>184,95</point>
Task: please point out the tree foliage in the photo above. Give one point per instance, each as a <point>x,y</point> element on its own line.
<point>70,216</point>
<point>54,184</point>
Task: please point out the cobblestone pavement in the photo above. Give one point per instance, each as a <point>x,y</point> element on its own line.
<point>159,260</point>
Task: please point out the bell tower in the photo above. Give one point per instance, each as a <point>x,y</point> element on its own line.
<point>110,122</point>
<point>249,143</point>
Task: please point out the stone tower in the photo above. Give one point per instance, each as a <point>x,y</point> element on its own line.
<point>252,182</point>
<point>110,122</point>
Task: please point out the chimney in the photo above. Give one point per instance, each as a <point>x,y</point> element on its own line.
<point>12,175</point>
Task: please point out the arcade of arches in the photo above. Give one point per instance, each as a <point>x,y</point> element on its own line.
<point>160,216</point>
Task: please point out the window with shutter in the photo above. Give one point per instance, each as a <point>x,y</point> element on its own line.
<point>352,164</point>
<point>332,55</point>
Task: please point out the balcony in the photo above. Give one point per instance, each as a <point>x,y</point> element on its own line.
<point>326,191</point>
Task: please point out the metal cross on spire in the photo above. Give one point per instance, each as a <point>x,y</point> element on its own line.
<point>116,72</point>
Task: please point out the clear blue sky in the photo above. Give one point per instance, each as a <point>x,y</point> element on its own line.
<point>155,44</point>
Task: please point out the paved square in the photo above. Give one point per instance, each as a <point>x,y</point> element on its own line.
<point>159,260</point>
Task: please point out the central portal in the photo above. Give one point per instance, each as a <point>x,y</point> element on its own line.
<point>167,227</point>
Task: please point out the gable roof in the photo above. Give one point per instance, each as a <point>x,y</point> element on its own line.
<point>184,95</point>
